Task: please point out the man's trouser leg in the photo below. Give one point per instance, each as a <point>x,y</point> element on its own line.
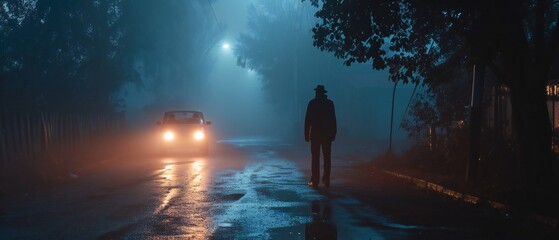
<point>315,161</point>
<point>327,154</point>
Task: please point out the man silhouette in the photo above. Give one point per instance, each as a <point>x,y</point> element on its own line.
<point>320,130</point>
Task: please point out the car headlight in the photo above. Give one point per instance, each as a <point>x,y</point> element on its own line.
<point>199,135</point>
<point>169,136</point>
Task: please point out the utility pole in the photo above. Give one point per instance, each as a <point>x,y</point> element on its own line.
<point>475,123</point>
<point>392,118</point>
<point>479,56</point>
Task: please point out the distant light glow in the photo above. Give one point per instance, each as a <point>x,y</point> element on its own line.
<point>552,90</point>
<point>225,46</point>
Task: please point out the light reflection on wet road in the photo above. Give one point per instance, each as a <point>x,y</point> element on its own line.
<point>246,189</point>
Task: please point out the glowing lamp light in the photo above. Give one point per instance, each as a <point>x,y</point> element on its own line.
<point>169,136</point>
<point>552,90</point>
<point>199,135</point>
<point>225,46</point>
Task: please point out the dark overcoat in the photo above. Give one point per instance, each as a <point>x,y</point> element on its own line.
<point>320,119</point>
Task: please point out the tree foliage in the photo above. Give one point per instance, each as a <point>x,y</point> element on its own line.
<point>165,47</point>
<point>277,48</point>
<point>442,108</point>
<point>59,50</point>
<point>437,121</point>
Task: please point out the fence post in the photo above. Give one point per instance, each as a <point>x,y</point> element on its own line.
<point>4,141</point>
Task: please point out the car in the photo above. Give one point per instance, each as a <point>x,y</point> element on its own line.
<point>184,130</point>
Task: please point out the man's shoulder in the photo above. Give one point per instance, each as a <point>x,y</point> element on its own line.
<point>320,101</point>
<point>328,101</point>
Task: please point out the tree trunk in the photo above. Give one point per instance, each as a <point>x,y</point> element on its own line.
<point>527,70</point>
<point>533,132</point>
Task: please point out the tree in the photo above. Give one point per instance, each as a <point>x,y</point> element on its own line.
<point>437,121</point>
<point>165,48</point>
<point>421,41</point>
<point>59,55</point>
<point>278,47</point>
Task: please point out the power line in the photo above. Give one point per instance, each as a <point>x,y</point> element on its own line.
<point>215,16</point>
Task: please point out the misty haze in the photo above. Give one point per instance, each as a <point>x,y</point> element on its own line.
<point>279,119</point>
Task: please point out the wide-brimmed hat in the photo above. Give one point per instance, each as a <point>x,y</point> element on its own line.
<point>320,89</point>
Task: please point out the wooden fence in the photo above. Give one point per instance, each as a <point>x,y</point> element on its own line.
<point>26,139</point>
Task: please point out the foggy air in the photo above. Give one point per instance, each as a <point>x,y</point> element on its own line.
<point>279,119</point>
<point>265,97</point>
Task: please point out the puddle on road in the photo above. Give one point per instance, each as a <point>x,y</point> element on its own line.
<point>225,225</point>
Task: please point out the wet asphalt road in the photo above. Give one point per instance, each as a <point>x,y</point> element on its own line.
<point>246,189</point>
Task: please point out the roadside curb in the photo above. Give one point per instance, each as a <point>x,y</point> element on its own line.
<point>470,199</point>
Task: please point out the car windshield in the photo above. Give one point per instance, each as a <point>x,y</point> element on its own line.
<point>186,117</point>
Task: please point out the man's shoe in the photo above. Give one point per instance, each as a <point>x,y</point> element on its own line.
<point>312,184</point>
